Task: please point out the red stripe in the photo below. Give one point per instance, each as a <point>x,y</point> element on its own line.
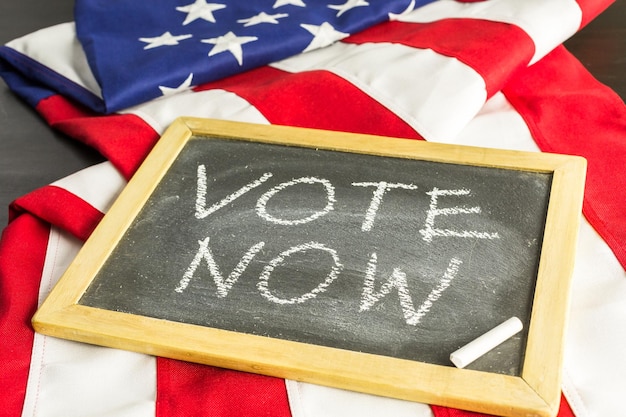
<point>565,410</point>
<point>453,412</point>
<point>59,207</point>
<point>497,51</point>
<point>314,99</point>
<point>569,112</point>
<point>125,140</point>
<point>22,254</point>
<point>188,389</point>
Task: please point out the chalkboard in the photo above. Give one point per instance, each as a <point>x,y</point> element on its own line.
<point>355,245</point>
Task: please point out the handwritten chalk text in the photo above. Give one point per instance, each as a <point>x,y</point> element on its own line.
<point>371,293</point>
<point>369,298</point>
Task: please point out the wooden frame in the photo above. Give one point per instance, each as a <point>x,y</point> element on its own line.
<point>535,393</point>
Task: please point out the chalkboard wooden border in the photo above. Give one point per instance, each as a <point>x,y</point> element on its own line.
<point>536,393</point>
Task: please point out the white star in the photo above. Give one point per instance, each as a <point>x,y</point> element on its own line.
<point>165,39</point>
<point>262,18</point>
<point>168,91</point>
<point>280,3</point>
<point>323,35</point>
<point>397,16</point>
<point>349,4</point>
<point>200,10</point>
<point>231,43</point>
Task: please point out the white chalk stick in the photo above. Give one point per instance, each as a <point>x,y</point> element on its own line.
<point>478,347</point>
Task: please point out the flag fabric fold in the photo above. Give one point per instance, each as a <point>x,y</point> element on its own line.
<point>214,40</point>
<point>488,73</point>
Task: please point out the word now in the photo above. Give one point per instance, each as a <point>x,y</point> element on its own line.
<point>380,189</point>
<point>369,296</point>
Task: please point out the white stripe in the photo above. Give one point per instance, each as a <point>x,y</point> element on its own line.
<point>58,48</point>
<point>596,341</point>
<point>548,23</point>
<point>436,95</point>
<point>98,185</point>
<point>214,104</point>
<point>69,379</point>
<point>497,125</point>
<point>308,400</point>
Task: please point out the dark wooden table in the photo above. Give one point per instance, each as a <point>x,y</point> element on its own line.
<point>32,155</point>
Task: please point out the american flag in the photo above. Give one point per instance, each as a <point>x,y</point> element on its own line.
<point>488,73</point>
<point>213,39</point>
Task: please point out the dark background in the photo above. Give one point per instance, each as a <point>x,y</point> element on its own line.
<point>32,155</point>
